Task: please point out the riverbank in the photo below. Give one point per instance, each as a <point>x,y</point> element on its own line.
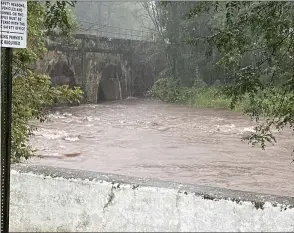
<point>208,97</point>
<point>170,91</point>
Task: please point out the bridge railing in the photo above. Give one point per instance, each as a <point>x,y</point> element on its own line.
<point>117,32</point>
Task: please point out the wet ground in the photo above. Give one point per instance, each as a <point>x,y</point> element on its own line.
<point>149,139</point>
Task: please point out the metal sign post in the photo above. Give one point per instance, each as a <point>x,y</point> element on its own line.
<point>13,35</point>
<point>6,106</point>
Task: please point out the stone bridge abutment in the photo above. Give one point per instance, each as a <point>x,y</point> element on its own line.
<point>106,69</point>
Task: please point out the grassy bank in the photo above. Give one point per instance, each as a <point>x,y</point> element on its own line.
<point>205,97</point>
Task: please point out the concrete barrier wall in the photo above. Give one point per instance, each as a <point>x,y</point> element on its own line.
<point>55,199</point>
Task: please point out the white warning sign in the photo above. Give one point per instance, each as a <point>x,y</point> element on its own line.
<point>13,24</point>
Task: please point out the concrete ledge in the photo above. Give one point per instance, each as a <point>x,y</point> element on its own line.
<point>57,199</point>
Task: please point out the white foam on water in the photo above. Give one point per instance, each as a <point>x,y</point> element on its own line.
<point>90,118</point>
<point>57,115</point>
<point>131,98</point>
<point>231,128</point>
<point>71,139</point>
<point>50,133</point>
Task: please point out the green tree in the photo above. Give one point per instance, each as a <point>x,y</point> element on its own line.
<point>32,92</point>
<point>262,31</point>
<point>189,62</point>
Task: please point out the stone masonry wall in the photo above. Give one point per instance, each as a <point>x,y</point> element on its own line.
<point>101,75</point>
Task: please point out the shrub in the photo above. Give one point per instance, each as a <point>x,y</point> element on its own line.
<point>32,96</point>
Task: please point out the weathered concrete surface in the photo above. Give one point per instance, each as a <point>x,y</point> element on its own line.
<point>55,199</point>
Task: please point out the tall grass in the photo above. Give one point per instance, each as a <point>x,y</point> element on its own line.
<point>204,97</point>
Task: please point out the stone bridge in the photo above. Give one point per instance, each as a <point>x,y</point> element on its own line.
<point>105,68</point>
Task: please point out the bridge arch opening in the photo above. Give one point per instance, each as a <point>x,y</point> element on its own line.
<point>61,74</point>
<point>110,83</point>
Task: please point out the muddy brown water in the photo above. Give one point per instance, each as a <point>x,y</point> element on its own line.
<point>149,139</point>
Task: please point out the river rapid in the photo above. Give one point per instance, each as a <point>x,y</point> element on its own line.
<point>149,139</point>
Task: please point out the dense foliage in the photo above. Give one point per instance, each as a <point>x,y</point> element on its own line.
<point>256,44</point>
<point>245,47</point>
<point>32,92</point>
